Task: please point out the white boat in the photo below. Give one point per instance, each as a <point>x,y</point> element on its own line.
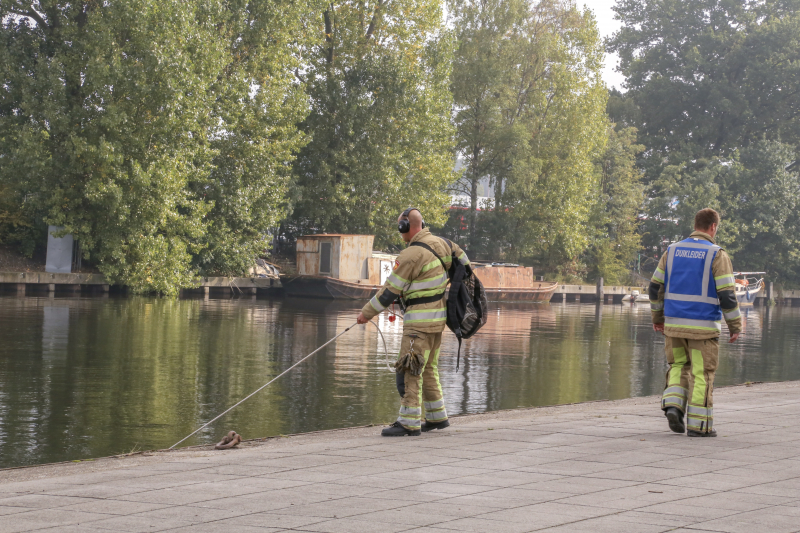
<point>636,297</point>
<point>747,286</point>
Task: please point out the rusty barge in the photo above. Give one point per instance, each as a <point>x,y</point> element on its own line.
<point>338,266</point>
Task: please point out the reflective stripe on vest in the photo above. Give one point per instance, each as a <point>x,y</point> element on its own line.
<point>690,296</point>
<point>425,315</point>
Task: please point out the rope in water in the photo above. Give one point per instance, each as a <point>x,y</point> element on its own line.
<point>240,402</point>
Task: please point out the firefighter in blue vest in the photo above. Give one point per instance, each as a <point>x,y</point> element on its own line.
<point>691,291</point>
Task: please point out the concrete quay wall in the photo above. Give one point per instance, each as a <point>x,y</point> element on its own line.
<point>36,283</point>
<point>590,293</point>
<point>596,467</point>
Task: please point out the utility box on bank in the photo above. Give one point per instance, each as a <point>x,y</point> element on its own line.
<point>337,256</point>
<point>59,252</point>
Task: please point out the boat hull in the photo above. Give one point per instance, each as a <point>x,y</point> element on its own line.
<point>748,296</point>
<point>324,287</point>
<point>542,293</point>
<point>638,299</point>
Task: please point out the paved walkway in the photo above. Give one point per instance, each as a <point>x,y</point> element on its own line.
<point>597,467</point>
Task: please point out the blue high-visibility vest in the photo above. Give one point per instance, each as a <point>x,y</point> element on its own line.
<point>690,291</point>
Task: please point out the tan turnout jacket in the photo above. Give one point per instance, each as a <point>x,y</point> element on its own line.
<point>417,274</point>
<point>722,269</point>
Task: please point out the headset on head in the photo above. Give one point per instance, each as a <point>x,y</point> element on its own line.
<point>404,226</point>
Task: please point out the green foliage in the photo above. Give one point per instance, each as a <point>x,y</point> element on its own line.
<point>619,205</point>
<point>530,117</point>
<point>758,195</point>
<point>258,104</point>
<point>15,225</point>
<point>380,119</point>
<point>709,76</point>
<point>761,205</point>
<point>157,132</point>
<point>712,90</point>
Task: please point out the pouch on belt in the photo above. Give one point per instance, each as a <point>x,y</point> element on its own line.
<point>411,361</point>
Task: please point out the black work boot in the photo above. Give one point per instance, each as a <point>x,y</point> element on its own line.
<point>397,430</point>
<point>693,433</point>
<point>427,426</point>
<point>675,419</point>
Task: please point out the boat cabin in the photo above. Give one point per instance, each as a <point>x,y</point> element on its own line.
<point>344,257</point>
<point>345,266</point>
<point>504,275</point>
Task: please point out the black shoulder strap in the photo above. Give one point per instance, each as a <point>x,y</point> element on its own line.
<point>423,245</point>
<point>426,299</point>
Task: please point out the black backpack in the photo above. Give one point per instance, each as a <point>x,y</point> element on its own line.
<point>467,308</point>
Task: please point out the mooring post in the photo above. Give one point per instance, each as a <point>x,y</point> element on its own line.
<point>599,292</point>
<point>770,294</point>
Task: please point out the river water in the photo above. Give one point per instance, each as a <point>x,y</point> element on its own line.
<point>89,377</point>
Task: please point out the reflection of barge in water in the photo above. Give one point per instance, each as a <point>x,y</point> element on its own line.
<point>345,267</point>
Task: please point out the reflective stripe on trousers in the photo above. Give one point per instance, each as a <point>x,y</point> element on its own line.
<point>435,411</point>
<point>424,390</point>
<point>675,396</point>
<point>410,417</point>
<point>700,418</point>
<point>690,380</point>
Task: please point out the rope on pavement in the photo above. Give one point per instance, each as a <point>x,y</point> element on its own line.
<point>240,402</point>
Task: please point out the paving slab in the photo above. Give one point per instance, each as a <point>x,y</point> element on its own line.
<point>593,467</point>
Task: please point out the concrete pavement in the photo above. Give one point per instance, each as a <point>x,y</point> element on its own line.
<point>596,467</point>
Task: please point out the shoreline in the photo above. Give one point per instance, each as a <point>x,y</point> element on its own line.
<point>578,468</point>
<point>366,430</point>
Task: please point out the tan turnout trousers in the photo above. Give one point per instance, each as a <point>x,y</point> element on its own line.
<point>690,380</point>
<point>424,389</point>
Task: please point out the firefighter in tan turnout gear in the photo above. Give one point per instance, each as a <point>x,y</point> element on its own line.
<point>420,280</point>
<point>691,291</point>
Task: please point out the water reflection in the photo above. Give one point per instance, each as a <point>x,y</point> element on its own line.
<point>89,377</point>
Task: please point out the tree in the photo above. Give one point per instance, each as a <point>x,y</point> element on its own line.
<point>380,119</point>
<point>157,132</point>
<point>759,200</point>
<point>709,76</point>
<point>713,89</point>
<point>761,209</point>
<point>618,208</point>
<point>530,117</point>
<point>756,191</point>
